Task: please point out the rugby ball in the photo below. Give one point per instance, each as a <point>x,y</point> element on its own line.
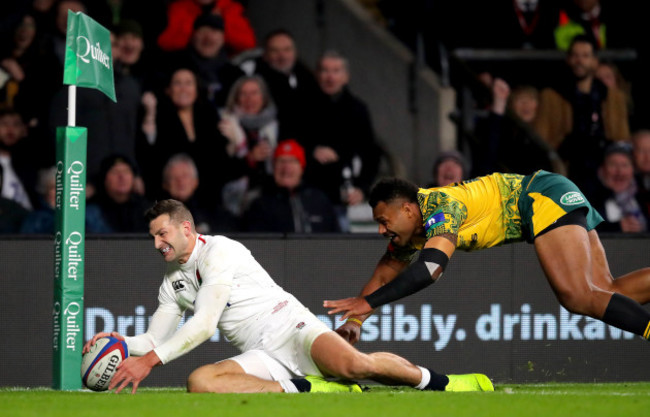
<point>100,363</point>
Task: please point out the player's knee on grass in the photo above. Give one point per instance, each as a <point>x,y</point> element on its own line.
<point>194,383</point>
<point>213,377</point>
<point>202,380</point>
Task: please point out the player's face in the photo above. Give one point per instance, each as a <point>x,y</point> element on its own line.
<point>396,220</point>
<point>171,239</point>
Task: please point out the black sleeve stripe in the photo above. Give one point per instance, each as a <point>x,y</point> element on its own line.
<point>434,256</point>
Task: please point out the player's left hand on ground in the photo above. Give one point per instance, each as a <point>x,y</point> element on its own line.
<point>131,371</point>
<point>354,306</point>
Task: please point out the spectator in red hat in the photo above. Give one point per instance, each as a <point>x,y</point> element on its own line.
<point>287,205</point>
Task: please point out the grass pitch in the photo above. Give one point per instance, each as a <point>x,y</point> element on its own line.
<point>612,399</point>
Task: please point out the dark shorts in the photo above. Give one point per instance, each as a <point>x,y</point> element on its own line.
<point>546,197</point>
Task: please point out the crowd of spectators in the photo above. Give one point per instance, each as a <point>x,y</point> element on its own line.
<point>581,118</point>
<point>578,125</point>
<point>188,124</point>
<point>268,145</point>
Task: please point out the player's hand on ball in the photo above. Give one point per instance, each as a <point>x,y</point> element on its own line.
<point>350,331</point>
<point>98,336</point>
<point>355,306</point>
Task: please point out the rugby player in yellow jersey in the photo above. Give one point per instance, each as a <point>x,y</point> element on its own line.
<point>545,209</point>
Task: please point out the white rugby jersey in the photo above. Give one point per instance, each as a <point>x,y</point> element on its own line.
<point>216,260</point>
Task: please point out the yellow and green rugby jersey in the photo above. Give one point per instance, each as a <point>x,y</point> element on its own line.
<point>482,212</point>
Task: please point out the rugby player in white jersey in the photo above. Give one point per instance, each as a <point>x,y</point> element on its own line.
<point>285,348</point>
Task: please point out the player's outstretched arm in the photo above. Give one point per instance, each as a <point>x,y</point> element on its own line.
<point>417,276</point>
<point>357,309</point>
<point>209,304</point>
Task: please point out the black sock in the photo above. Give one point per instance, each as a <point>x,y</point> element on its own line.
<point>438,382</point>
<point>301,384</point>
<point>627,314</point>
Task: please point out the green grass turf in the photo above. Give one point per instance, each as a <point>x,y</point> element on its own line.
<point>614,399</point>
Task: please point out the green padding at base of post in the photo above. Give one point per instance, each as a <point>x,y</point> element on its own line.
<point>67,340</point>
<point>69,255</point>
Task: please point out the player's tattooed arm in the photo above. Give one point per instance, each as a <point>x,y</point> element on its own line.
<point>445,242</point>
<point>388,267</point>
<point>452,237</point>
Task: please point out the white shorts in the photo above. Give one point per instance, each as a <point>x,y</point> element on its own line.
<point>286,348</point>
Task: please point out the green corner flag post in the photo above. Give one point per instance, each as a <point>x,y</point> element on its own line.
<point>88,63</point>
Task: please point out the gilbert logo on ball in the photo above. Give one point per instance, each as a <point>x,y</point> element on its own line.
<point>100,364</point>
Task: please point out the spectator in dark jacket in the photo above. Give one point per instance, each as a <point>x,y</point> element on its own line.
<point>617,198</point>
<point>206,56</point>
<point>506,139</point>
<point>116,208</point>
<point>288,205</point>
<point>341,146</point>
<point>291,83</point>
